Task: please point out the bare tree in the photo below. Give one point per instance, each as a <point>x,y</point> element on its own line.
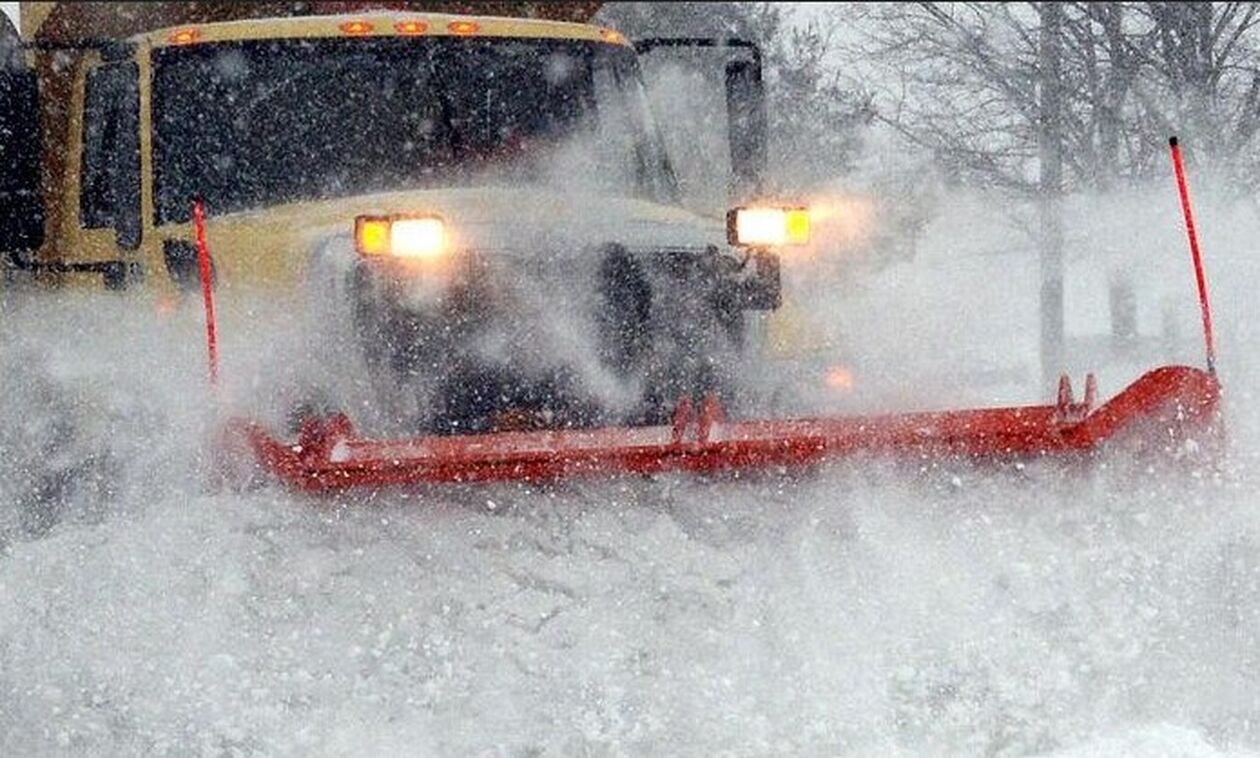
<point>983,87</point>
<point>960,80</point>
<point>1038,99</point>
<point>965,82</point>
<point>1201,76</point>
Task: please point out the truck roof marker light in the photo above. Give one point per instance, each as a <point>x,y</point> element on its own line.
<point>184,36</point>
<point>613,36</point>
<point>356,28</point>
<point>411,27</point>
<point>463,28</point>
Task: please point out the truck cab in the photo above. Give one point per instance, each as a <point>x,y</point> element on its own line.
<point>266,117</point>
<point>517,144</point>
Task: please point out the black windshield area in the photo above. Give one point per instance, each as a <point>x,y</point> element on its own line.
<point>246,125</point>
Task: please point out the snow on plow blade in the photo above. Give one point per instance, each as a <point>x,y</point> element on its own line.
<point>1165,410</point>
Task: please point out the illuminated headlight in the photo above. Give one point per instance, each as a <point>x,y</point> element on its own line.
<point>767,227</point>
<point>414,237</point>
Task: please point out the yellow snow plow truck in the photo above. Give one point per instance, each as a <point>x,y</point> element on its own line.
<point>413,167</point>
<point>485,223</point>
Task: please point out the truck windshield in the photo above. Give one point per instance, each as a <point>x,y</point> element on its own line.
<point>250,124</point>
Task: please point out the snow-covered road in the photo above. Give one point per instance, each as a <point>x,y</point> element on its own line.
<point>860,610</point>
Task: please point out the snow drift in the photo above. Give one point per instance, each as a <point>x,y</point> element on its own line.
<point>856,611</point>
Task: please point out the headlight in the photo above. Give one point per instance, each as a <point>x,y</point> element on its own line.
<point>767,227</point>
<point>415,237</point>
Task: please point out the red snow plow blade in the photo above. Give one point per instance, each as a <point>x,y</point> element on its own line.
<point>1167,411</point>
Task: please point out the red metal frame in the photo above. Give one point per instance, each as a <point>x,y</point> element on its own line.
<point>1182,402</point>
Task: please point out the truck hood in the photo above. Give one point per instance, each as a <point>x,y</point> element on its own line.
<point>533,220</point>
<point>271,244</point>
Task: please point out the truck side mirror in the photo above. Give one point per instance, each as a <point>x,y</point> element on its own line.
<point>739,62</point>
<point>21,204</point>
<point>746,119</point>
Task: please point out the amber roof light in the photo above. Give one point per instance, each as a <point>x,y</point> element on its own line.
<point>184,36</point>
<point>411,27</point>
<point>356,27</point>
<point>463,27</point>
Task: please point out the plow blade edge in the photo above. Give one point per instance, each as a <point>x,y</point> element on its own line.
<point>1164,411</point>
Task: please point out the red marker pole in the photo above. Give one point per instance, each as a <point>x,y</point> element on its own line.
<point>1208,337</point>
<point>207,289</point>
